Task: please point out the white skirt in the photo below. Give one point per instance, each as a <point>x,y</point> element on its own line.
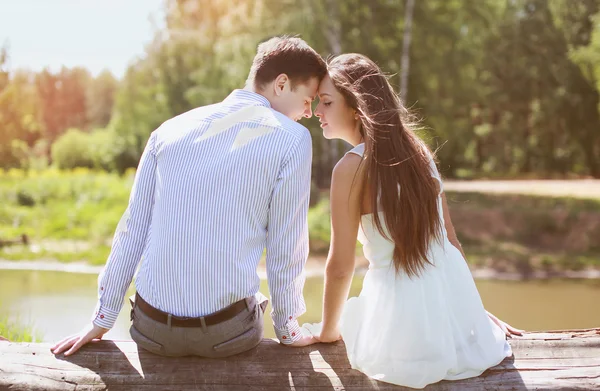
<point>417,332</point>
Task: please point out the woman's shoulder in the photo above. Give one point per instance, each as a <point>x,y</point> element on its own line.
<point>346,170</point>
<point>348,164</point>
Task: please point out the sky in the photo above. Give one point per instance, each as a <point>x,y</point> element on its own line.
<point>96,34</point>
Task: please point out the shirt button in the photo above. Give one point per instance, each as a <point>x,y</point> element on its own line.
<point>291,318</point>
<point>101,316</point>
<point>293,334</point>
<point>101,288</point>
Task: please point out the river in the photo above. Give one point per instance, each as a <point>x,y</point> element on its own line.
<point>57,304</point>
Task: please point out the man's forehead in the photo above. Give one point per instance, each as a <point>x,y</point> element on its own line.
<point>312,91</point>
<point>309,89</point>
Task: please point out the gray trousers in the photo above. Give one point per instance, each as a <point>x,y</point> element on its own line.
<point>236,335</point>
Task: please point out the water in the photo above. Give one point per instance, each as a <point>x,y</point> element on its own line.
<point>58,304</point>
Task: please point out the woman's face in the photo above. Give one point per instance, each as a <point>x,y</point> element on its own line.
<point>338,120</point>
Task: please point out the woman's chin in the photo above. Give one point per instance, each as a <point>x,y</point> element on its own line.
<point>328,134</point>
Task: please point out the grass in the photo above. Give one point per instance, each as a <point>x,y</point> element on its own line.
<point>14,331</point>
<point>78,204</point>
<point>59,208</point>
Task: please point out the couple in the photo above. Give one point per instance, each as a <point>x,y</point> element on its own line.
<point>218,184</point>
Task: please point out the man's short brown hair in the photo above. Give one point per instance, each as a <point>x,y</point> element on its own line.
<point>289,55</point>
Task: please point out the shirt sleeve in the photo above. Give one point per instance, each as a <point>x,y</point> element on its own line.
<point>128,242</point>
<point>287,240</point>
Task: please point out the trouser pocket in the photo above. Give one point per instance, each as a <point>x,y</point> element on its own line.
<point>238,344</point>
<point>144,342</point>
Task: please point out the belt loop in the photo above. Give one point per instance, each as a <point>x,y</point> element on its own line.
<point>169,320</point>
<point>203,322</point>
<point>248,304</point>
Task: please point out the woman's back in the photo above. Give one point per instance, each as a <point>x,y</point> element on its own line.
<point>377,248</point>
<point>418,330</point>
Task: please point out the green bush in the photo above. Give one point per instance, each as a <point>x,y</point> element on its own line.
<point>103,149</point>
<point>319,227</point>
<point>100,149</point>
<point>73,149</point>
<point>24,198</point>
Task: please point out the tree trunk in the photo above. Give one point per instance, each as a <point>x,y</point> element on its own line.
<point>405,63</point>
<point>333,32</point>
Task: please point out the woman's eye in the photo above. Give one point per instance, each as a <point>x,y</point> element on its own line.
<point>327,104</point>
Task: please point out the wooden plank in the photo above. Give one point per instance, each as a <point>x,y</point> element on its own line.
<point>547,360</point>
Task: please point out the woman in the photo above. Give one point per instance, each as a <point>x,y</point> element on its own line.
<point>419,318</point>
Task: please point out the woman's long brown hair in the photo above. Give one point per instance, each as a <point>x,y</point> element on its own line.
<point>397,170</point>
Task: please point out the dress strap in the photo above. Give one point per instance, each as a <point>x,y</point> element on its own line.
<point>358,150</point>
<point>436,174</point>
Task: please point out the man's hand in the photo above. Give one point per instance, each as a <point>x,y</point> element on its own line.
<point>304,341</point>
<point>74,342</point>
<point>508,329</point>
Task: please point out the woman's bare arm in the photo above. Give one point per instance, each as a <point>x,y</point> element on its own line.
<point>345,219</point>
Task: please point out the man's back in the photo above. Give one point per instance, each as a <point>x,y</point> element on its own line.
<point>213,189</point>
<point>229,180</point>
<point>217,167</point>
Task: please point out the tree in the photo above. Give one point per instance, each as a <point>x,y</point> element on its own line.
<point>20,125</point>
<point>405,62</point>
<point>100,98</point>
<point>63,100</point>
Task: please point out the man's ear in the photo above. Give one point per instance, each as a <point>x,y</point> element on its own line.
<point>280,84</point>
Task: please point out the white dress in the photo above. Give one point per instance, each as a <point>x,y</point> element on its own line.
<point>414,332</point>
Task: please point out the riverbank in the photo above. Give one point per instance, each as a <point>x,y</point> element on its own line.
<point>508,229</point>
<point>315,268</point>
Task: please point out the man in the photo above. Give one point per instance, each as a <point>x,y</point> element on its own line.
<point>214,187</point>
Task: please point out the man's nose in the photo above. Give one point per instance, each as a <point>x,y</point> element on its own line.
<point>308,112</point>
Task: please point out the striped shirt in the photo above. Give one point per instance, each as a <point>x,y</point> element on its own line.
<point>214,187</point>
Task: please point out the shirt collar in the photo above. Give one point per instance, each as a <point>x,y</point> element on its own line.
<point>250,96</point>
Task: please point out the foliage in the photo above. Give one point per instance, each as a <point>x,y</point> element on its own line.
<point>508,88</point>
<point>72,150</point>
<point>319,227</point>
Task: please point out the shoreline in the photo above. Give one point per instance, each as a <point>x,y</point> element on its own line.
<point>314,268</point>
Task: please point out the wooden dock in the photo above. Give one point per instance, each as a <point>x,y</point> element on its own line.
<point>559,360</point>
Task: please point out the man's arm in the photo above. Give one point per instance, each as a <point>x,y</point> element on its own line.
<point>287,240</point>
<point>128,242</point>
<point>128,245</point>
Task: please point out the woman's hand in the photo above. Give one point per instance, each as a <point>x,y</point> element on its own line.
<point>506,328</point>
<point>328,336</point>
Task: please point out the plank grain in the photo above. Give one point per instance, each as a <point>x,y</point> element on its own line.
<point>545,360</point>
